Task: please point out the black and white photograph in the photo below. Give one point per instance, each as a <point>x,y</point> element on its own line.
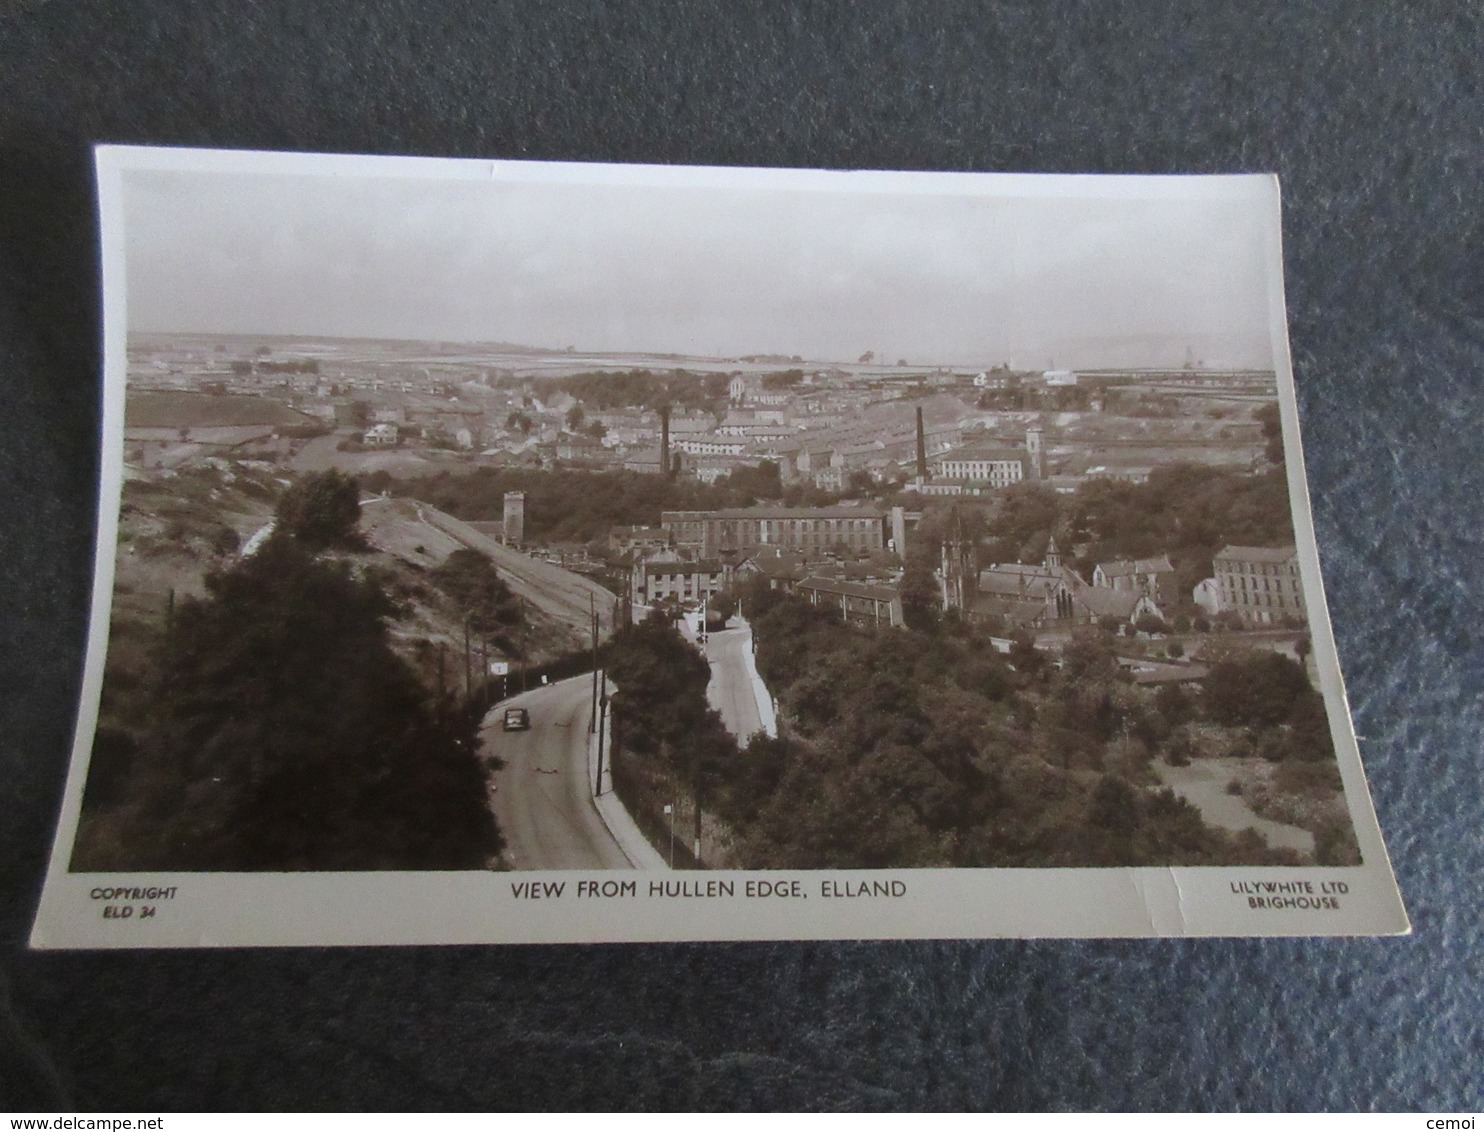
<point>855,554</point>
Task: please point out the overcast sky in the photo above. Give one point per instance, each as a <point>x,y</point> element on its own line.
<point>961,277</point>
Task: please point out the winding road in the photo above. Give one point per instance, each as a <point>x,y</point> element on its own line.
<point>541,796</point>
<point>730,691</point>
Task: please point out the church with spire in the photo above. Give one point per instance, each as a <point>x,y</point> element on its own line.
<point>1048,594</point>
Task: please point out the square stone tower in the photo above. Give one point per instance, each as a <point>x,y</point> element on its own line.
<point>515,517</point>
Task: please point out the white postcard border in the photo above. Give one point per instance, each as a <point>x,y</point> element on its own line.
<point>88,910</point>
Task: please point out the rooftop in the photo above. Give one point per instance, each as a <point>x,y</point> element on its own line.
<point>674,566</point>
<point>1256,554</point>
<point>1122,568</point>
<point>1110,603</point>
<point>983,452</point>
<point>1019,581</point>
<point>775,513</point>
<point>847,589</point>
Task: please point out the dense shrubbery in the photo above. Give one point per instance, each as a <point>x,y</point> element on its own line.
<point>322,511</point>
<point>903,749</point>
<point>471,581</point>
<point>912,749</point>
<point>276,729</point>
<point>672,748</point>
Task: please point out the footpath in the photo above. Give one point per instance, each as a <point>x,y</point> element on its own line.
<point>635,846</point>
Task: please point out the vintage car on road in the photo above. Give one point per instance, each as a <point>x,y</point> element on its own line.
<point>516,719</point>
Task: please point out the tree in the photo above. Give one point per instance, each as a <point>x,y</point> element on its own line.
<point>320,511</point>
<point>720,607</point>
<point>1303,647</point>
<point>289,736</point>
<point>1173,702</point>
<point>480,594</point>
<point>1088,658</point>
<point>1309,736</point>
<point>575,418</point>
<point>919,592</point>
<point>756,772</point>
<point>1027,515</point>
<point>785,379</point>
<point>1272,431</point>
<point>1024,655</point>
<point>1151,623</point>
<point>663,681</point>
<point>1114,806</point>
<point>1259,689</point>
<point>759,482</point>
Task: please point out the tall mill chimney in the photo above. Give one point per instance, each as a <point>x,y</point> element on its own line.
<point>922,468</point>
<point>665,441</point>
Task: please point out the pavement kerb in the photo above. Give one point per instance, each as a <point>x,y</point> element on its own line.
<point>635,846</point>
<point>760,693</point>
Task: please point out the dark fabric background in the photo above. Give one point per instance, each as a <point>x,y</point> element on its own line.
<point>1370,112</point>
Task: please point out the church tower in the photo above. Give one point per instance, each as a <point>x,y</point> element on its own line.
<point>1053,556</point>
<point>958,568</point>
<point>957,574</point>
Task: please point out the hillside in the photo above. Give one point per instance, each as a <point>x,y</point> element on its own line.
<point>558,601</point>
<point>175,527</point>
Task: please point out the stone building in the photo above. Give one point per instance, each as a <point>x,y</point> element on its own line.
<point>1261,584</point>
<point>1153,577</point>
<point>860,530</point>
<point>663,577</point>
<point>860,602</point>
<point>515,518</point>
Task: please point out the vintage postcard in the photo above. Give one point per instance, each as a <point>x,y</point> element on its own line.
<point>522,552</point>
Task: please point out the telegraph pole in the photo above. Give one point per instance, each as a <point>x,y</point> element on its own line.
<point>592,617</point>
<point>670,810</point>
<point>602,718</point>
<point>697,788</point>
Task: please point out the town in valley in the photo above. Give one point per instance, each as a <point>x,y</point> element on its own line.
<point>432,605</point>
